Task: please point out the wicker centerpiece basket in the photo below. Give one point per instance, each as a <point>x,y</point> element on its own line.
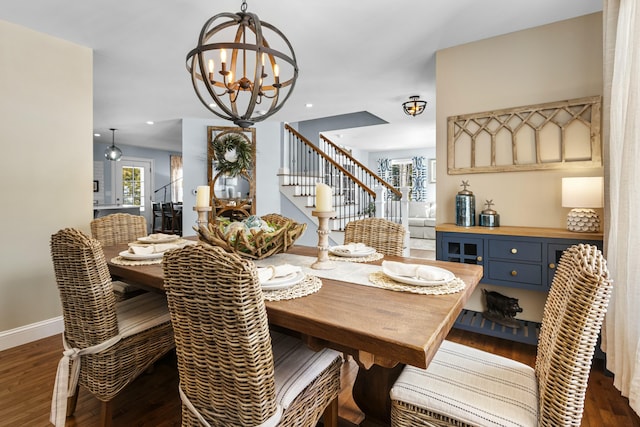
<point>254,237</point>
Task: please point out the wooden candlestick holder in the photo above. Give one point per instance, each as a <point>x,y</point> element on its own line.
<point>203,215</point>
<point>323,262</point>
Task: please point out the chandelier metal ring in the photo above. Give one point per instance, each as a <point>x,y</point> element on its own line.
<point>234,68</point>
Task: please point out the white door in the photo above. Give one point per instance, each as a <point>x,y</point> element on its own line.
<point>133,186</point>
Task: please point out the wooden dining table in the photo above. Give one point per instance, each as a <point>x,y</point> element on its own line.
<point>383,330</point>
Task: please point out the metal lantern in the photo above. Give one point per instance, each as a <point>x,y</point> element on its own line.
<point>242,69</point>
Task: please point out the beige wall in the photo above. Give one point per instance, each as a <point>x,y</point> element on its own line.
<point>46,164</point>
<point>550,63</point>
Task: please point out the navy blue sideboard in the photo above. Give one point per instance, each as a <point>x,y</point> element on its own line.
<point>515,257</point>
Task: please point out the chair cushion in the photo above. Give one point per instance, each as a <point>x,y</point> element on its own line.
<point>140,313</point>
<point>422,222</point>
<point>472,386</point>
<point>418,209</point>
<point>416,222</point>
<point>296,366</point>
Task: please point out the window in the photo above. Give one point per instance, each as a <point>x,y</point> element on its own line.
<point>133,186</point>
<point>402,173</point>
<point>176,178</point>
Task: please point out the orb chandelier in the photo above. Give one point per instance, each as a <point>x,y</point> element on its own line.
<point>242,69</point>
<point>113,152</point>
<point>414,106</point>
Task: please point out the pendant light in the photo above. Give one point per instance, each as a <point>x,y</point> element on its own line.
<point>243,69</point>
<point>113,153</point>
<point>414,106</point>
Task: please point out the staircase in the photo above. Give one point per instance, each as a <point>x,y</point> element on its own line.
<point>357,191</point>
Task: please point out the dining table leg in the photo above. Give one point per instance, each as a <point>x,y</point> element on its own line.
<point>371,393</point>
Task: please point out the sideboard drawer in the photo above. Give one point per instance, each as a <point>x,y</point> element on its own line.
<point>529,274</point>
<point>515,250</point>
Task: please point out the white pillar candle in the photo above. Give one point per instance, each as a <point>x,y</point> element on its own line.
<point>202,196</point>
<point>323,198</point>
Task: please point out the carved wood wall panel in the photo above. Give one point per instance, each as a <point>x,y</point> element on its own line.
<point>556,135</point>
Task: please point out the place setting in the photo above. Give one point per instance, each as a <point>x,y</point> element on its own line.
<point>286,281</point>
<point>416,278</point>
<point>354,252</point>
<point>149,250</point>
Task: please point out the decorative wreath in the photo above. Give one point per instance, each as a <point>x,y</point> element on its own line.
<point>233,153</point>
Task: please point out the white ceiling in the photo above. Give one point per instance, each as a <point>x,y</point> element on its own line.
<point>358,55</point>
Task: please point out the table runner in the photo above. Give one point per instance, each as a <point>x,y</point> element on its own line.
<point>358,273</point>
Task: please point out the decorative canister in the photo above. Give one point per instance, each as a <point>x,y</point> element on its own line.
<point>465,206</point>
<point>489,217</point>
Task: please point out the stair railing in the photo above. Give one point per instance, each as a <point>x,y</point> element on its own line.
<point>353,184</point>
<point>392,205</point>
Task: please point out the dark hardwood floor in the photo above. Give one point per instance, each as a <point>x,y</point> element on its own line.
<point>27,374</point>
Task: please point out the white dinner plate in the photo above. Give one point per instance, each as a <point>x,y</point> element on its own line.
<point>283,282</point>
<point>164,239</point>
<point>447,277</point>
<point>132,256</point>
<point>366,251</point>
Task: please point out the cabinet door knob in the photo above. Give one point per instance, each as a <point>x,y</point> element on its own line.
<point>479,259</point>
<point>514,251</point>
<point>552,266</point>
<point>514,273</point>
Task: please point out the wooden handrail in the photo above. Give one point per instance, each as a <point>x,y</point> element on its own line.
<point>381,181</point>
<point>329,159</point>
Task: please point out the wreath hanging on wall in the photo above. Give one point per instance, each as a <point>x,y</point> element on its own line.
<point>233,153</point>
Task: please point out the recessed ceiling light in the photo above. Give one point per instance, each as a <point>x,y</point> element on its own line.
<point>149,122</point>
<point>96,134</point>
<point>213,105</point>
<point>308,105</point>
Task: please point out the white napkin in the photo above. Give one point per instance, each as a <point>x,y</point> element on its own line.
<point>152,249</point>
<point>274,271</point>
<point>159,236</point>
<point>350,248</point>
<point>423,272</point>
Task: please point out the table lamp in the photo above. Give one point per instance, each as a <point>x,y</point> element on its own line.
<point>582,195</point>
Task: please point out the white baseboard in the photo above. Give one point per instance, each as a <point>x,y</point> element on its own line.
<point>28,333</point>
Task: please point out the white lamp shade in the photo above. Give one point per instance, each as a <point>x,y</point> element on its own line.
<point>582,192</point>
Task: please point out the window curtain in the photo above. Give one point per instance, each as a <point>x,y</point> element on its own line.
<point>385,172</point>
<point>176,178</point>
<point>621,133</point>
<point>384,169</point>
<point>420,179</point>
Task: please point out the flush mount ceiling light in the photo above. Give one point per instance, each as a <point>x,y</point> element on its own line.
<point>241,62</point>
<point>113,152</point>
<point>414,106</point>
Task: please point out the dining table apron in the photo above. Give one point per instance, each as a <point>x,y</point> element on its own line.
<point>382,329</point>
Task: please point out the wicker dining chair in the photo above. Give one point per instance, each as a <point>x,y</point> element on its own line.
<point>116,229</point>
<point>233,371</point>
<point>107,344</point>
<point>464,386</point>
<point>385,236</point>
